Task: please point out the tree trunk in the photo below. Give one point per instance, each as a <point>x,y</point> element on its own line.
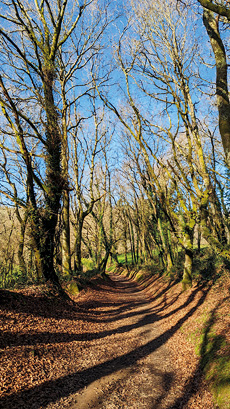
<point>66,259</point>
<point>188,262</point>
<point>47,250</point>
<point>198,237</point>
<point>78,243</point>
<point>211,25</point>
<point>188,269</point>
<point>21,260</point>
<point>166,247</point>
<point>125,244</point>
<point>54,181</point>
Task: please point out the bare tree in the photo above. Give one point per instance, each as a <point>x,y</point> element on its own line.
<point>42,47</point>
<point>156,62</point>
<point>88,142</point>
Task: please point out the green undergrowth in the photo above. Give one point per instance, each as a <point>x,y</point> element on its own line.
<point>87,263</point>
<point>215,363</point>
<point>213,349</point>
<point>121,258</point>
<point>73,288</point>
<point>16,278</point>
<point>75,282</point>
<point>113,266</point>
<point>83,280</point>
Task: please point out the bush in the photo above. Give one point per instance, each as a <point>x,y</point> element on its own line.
<point>87,263</point>
<point>205,265</point>
<point>176,272</point>
<point>13,278</point>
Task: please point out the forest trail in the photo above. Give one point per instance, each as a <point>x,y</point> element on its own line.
<point>121,348</point>
<point>136,369</point>
<point>138,372</point>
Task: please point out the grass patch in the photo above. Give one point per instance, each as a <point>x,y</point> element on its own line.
<point>215,362</point>
<point>121,262</point>
<point>72,288</point>
<point>139,276</point>
<point>87,263</point>
<point>16,278</point>
<point>121,258</point>
<point>214,352</point>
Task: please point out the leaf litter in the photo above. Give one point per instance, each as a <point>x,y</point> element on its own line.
<point>119,346</point>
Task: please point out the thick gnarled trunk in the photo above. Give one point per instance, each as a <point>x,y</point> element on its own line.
<point>223,104</point>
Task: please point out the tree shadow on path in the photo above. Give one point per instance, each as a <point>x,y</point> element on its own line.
<point>51,391</point>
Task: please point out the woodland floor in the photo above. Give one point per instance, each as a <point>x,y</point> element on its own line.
<point>120,346</point>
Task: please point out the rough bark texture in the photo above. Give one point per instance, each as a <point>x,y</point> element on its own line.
<point>78,242</point>
<point>220,9</point>
<point>66,259</point>
<point>211,24</point>
<point>54,179</point>
<point>188,262</point>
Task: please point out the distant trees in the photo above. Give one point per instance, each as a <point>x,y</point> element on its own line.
<point>88,147</point>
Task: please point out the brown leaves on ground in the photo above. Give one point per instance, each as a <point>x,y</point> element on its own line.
<point>51,351</point>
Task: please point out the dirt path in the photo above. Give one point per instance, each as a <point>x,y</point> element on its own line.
<point>131,367</point>
<point>137,372</point>
<point>120,349</point>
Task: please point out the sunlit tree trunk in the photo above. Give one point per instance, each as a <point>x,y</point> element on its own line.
<point>78,242</point>
<point>66,257</point>
<point>188,263</point>
<point>21,260</point>
<point>54,178</point>
<point>223,104</point>
<point>166,246</point>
